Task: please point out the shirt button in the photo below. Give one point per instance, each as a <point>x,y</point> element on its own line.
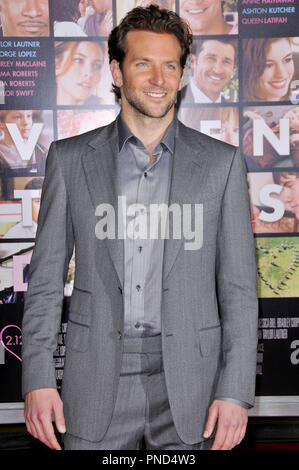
<point>137,325</point>
<point>145,174</point>
<point>138,287</point>
<point>119,334</point>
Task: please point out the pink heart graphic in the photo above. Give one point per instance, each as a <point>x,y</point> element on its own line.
<point>4,345</point>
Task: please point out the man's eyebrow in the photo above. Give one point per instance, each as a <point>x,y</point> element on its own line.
<point>145,59</point>
<point>285,180</point>
<point>212,54</point>
<point>229,58</point>
<point>148,59</point>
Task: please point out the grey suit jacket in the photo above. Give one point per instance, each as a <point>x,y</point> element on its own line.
<point>209,302</point>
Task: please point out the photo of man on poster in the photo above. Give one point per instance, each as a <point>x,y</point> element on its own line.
<point>213,66</point>
<point>24,18</point>
<point>11,160</point>
<point>208,17</point>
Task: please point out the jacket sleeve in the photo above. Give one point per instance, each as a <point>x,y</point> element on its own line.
<point>47,275</point>
<point>236,288</point>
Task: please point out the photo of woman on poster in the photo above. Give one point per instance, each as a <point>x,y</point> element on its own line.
<point>208,17</point>
<point>71,122</point>
<point>219,122</point>
<point>268,69</point>
<point>78,72</point>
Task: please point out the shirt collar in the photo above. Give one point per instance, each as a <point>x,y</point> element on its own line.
<point>124,134</point>
<point>199,96</point>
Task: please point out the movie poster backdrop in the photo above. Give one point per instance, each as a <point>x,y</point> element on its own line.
<point>241,86</point>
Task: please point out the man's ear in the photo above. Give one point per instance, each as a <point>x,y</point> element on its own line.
<point>116,73</point>
<point>192,60</point>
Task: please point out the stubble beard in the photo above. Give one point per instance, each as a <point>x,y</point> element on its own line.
<point>141,107</point>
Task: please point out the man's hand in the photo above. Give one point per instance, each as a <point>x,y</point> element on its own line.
<point>39,405</point>
<point>232,422</point>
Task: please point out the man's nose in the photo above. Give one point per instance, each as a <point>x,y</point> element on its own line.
<point>157,76</point>
<point>218,67</point>
<point>32,8</point>
<point>24,121</point>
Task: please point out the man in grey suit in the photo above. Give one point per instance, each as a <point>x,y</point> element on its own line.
<point>162,330</point>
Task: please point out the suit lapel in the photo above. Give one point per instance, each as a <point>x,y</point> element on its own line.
<point>187,183</point>
<point>100,168</point>
<point>188,172</point>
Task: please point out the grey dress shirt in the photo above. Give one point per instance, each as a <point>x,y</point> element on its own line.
<point>141,183</point>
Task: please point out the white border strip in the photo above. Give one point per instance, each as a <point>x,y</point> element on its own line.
<point>264,406</point>
<point>275,406</point>
<point>12,413</point>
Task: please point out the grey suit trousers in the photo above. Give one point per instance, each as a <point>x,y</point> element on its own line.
<point>142,414</point>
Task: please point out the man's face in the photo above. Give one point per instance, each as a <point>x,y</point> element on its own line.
<point>23,119</point>
<point>201,14</point>
<point>213,67</point>
<point>290,192</point>
<point>24,17</point>
<point>151,73</point>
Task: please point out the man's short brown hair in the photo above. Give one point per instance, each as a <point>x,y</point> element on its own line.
<point>151,18</point>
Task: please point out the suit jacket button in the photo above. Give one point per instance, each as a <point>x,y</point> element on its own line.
<point>119,334</point>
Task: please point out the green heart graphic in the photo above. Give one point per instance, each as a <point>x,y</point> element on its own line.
<point>277,267</point>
